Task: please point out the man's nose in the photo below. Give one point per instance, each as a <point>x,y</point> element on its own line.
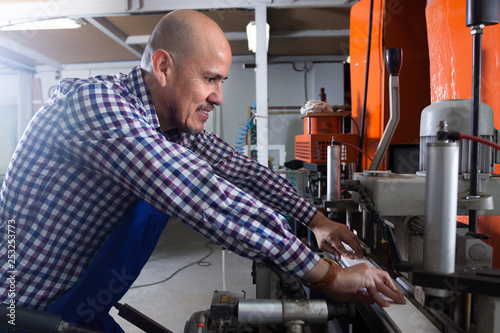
<point>216,96</point>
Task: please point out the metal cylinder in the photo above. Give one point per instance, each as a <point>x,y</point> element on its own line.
<point>257,312</point>
<point>441,207</point>
<point>271,311</point>
<point>333,173</point>
<point>308,311</point>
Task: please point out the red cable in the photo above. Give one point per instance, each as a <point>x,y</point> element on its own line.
<point>356,147</point>
<point>336,107</point>
<point>355,123</point>
<point>480,140</point>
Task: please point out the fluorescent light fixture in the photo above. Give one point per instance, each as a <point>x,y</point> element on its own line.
<point>50,24</point>
<point>252,36</point>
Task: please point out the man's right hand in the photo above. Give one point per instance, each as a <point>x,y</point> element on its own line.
<point>362,283</point>
<point>359,283</point>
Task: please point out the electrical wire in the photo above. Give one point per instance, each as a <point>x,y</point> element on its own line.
<point>305,70</point>
<point>200,262</point>
<point>357,148</point>
<point>354,122</point>
<point>336,107</point>
<point>480,140</point>
<point>365,92</point>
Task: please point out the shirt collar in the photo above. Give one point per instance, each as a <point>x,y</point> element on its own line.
<point>138,87</point>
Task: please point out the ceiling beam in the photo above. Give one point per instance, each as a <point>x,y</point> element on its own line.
<point>310,33</point>
<point>233,36</point>
<point>25,52</point>
<point>37,10</point>
<point>8,64</point>
<point>110,30</point>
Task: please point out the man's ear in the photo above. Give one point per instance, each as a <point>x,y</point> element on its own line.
<point>162,66</point>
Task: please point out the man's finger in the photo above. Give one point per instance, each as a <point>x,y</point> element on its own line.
<point>363,296</point>
<point>337,245</point>
<point>389,289</point>
<point>353,241</point>
<point>331,248</point>
<point>374,293</point>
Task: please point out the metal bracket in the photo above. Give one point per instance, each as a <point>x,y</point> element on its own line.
<point>482,201</point>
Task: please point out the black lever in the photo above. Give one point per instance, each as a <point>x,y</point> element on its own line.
<point>394,60</point>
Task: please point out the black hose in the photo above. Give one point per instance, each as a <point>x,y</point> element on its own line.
<point>34,321</point>
<point>28,320</point>
<point>365,93</point>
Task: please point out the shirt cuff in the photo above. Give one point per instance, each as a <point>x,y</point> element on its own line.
<point>305,211</point>
<point>296,259</point>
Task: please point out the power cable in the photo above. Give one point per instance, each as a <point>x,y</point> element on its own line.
<point>200,262</point>
<point>365,93</point>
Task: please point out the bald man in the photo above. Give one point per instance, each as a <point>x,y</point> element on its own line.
<point>107,160</point>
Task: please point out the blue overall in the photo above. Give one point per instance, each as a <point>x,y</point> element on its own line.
<point>113,270</point>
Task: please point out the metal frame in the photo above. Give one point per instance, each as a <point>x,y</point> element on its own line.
<point>98,8</point>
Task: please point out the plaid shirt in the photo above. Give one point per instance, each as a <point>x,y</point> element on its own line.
<point>93,150</point>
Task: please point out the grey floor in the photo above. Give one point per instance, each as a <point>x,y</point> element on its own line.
<point>172,303</point>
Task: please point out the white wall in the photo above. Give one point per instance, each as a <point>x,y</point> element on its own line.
<point>8,115</point>
<point>49,77</point>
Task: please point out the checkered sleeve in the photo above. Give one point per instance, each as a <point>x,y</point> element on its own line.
<point>261,182</point>
<point>113,139</point>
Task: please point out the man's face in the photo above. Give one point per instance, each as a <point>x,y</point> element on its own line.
<point>194,89</point>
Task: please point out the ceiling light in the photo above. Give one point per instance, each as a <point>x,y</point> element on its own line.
<point>252,36</point>
<point>51,24</point>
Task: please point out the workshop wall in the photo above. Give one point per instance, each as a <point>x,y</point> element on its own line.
<point>8,114</point>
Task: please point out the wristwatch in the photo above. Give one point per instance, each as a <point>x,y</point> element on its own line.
<point>329,277</point>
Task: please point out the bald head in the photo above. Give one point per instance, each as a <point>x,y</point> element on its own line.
<point>183,33</point>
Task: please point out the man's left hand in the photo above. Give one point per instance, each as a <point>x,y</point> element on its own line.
<point>330,236</point>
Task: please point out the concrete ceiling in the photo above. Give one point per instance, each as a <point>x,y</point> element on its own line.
<point>116,30</point>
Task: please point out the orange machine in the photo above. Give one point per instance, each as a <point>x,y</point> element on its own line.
<point>319,128</point>
<point>432,30</point>
<point>451,76</point>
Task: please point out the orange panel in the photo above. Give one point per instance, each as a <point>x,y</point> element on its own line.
<point>405,27</point>
<point>359,28</point>
<point>323,122</point>
<point>395,24</point>
<point>313,148</point>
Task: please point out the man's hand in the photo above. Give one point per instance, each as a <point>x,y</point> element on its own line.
<point>362,283</point>
<point>330,236</point>
<point>358,283</point>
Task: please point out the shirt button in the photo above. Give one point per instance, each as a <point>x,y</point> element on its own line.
<point>245,245</point>
<point>290,267</point>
